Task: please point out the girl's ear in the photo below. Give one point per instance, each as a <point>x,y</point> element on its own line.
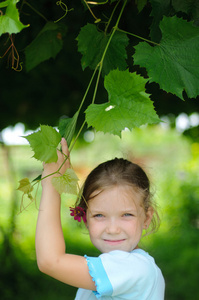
<point>149,215</point>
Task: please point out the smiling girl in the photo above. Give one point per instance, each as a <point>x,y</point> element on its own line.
<point>116,206</point>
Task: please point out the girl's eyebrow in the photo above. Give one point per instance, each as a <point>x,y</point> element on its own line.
<point>97,211</point>
<point>132,210</point>
<point>94,211</point>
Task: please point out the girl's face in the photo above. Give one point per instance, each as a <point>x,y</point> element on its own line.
<point>115,219</point>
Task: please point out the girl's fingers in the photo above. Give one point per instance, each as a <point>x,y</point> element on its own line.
<point>65,151</point>
<point>64,147</point>
<point>50,168</point>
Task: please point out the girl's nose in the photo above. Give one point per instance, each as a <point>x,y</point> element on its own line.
<point>112,227</point>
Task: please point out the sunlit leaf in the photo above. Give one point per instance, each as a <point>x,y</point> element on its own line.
<point>47,44</point>
<point>9,22</point>
<point>66,183</point>
<point>129,106</point>
<point>174,63</point>
<point>4,3</point>
<point>92,43</point>
<point>44,143</point>
<point>25,186</point>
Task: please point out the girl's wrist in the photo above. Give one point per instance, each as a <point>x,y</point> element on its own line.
<point>48,188</point>
<point>48,175</point>
<point>47,180</point>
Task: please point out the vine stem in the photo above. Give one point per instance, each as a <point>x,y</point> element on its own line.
<point>77,136</point>
<point>88,88</point>
<point>137,36</point>
<point>105,50</point>
<point>96,19</point>
<point>56,172</point>
<point>64,8</point>
<point>35,10</point>
<point>99,65</point>
<point>70,149</point>
<point>109,21</point>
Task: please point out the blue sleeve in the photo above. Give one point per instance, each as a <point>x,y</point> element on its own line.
<point>126,275</point>
<point>99,276</point>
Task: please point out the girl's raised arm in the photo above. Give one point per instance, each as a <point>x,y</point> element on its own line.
<point>50,245</point>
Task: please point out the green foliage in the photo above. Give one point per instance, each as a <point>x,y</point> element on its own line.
<point>25,186</point>
<point>159,9</point>
<point>105,33</point>
<point>67,127</point>
<point>46,45</point>
<point>66,183</point>
<point>187,6</point>
<point>140,4</point>
<point>9,22</point>
<point>44,143</point>
<point>92,44</point>
<point>173,62</point>
<point>128,105</point>
<point>179,230</point>
<point>106,44</point>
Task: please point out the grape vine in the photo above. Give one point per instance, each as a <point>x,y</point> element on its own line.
<point>169,56</point>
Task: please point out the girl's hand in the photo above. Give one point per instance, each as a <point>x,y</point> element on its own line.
<point>53,167</point>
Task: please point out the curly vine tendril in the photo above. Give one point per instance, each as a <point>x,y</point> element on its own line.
<point>64,8</point>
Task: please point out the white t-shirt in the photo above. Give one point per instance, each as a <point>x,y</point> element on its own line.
<point>123,275</point>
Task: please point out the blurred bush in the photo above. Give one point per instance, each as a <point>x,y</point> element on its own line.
<point>172,162</point>
<point>177,243</point>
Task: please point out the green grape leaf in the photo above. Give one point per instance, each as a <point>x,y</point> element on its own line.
<point>160,8</point>
<point>67,127</point>
<point>173,64</point>
<point>66,183</point>
<point>47,44</point>
<point>4,3</point>
<point>9,22</point>
<point>25,186</point>
<point>190,7</point>
<point>44,143</point>
<point>92,43</point>
<point>140,4</point>
<point>129,106</point>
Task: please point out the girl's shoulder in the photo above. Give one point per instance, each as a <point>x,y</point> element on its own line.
<point>136,254</point>
<point>117,273</point>
<point>135,264</point>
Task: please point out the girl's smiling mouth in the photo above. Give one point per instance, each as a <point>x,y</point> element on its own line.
<point>114,242</point>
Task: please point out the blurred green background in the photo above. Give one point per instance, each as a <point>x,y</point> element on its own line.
<point>172,162</point>
<point>171,158</point>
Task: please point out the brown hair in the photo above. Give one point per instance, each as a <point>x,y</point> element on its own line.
<point>119,171</point>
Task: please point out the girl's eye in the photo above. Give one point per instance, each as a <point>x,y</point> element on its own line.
<point>98,216</point>
<point>128,215</point>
